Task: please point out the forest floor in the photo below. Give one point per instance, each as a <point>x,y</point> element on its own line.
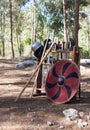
<point>38,112</point>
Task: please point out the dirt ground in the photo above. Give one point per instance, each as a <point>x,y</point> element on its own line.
<point>38,112</point>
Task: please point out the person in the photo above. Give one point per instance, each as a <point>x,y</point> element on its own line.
<point>63,45</point>
<point>37,48</point>
<point>71,43</point>
<point>48,42</point>
<point>58,46</point>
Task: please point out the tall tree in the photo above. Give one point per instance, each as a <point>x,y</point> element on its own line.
<point>2,24</point>
<point>2,19</point>
<point>65,24</point>
<point>34,21</point>
<point>11,29</point>
<point>76,20</point>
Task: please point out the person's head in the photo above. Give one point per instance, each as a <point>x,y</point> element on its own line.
<point>48,42</point>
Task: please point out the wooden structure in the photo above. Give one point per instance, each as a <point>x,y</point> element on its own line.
<point>38,71</point>
<point>75,54</point>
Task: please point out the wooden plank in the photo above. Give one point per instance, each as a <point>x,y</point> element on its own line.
<point>62,51</point>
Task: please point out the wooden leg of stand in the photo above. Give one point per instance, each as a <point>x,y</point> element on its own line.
<point>39,81</point>
<point>35,82</point>
<point>76,59</point>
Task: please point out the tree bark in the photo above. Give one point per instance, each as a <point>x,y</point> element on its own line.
<point>76,21</point>
<point>11,32</point>
<point>33,38</point>
<point>65,25</point>
<point>2,33</point>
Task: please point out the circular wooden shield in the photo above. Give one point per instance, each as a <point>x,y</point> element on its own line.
<point>62,81</point>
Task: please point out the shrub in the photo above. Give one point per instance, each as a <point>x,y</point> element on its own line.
<point>85,53</point>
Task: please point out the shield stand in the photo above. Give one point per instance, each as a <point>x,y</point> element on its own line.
<point>75,58</point>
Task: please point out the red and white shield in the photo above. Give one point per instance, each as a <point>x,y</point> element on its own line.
<point>62,81</point>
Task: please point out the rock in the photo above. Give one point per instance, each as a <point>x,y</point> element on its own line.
<point>50,123</point>
<point>85,61</point>
<point>61,127</point>
<point>82,124</point>
<point>71,113</point>
<point>25,64</point>
<point>85,123</point>
<point>88,117</point>
<point>9,85</point>
<point>81,114</point>
<point>32,119</point>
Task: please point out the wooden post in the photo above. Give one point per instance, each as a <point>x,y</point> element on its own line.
<point>76,55</point>
<point>76,59</point>
<point>39,80</point>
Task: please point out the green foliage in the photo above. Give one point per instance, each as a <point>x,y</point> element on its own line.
<point>84,2</point>
<point>22,2</point>
<point>48,18</point>
<point>27,41</point>
<point>53,11</point>
<point>23,43</point>
<point>85,53</point>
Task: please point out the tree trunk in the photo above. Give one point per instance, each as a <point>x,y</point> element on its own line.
<point>65,25</point>
<point>76,21</point>
<point>2,33</point>
<point>18,45</point>
<point>33,35</point>
<point>11,32</point>
<point>34,13</point>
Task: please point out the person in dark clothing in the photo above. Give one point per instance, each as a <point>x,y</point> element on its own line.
<point>48,42</point>
<point>71,43</point>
